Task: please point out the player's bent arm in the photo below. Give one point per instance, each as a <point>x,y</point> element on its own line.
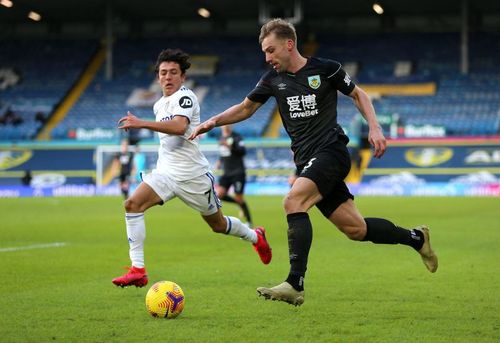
<point>365,106</point>
<point>375,135</point>
<point>177,126</point>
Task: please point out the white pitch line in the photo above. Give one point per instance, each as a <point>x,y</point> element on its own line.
<point>34,246</point>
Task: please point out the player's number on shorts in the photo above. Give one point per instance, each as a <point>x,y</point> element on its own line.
<point>309,164</point>
<point>209,193</point>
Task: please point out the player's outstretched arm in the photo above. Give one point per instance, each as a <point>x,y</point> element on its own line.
<point>129,121</point>
<point>375,135</point>
<point>233,114</point>
<point>202,128</point>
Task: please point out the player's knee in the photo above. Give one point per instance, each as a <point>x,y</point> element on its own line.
<point>131,206</point>
<point>292,204</point>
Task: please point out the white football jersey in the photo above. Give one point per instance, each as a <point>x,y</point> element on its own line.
<point>179,157</point>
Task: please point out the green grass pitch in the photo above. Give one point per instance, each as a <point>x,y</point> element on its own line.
<point>355,292</point>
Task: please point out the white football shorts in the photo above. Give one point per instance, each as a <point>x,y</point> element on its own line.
<point>197,193</point>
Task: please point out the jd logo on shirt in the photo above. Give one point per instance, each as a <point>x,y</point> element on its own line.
<point>185,102</point>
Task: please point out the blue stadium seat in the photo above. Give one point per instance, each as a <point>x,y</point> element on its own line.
<point>464,105</point>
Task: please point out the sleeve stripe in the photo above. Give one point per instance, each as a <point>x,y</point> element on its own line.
<point>340,66</point>
<point>183,115</point>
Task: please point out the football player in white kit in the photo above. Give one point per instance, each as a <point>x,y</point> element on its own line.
<point>182,170</point>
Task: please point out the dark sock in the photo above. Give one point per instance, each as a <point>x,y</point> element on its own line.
<point>382,231</point>
<point>246,211</point>
<point>297,281</point>
<point>299,243</point>
<point>228,198</point>
<point>125,193</point>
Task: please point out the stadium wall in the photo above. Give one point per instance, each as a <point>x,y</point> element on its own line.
<point>456,167</point>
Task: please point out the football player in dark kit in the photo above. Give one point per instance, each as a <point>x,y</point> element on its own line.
<point>232,150</point>
<point>125,159</point>
<point>306,92</point>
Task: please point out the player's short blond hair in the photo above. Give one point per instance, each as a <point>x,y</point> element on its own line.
<point>281,28</point>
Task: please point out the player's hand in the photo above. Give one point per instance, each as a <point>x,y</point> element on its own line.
<point>130,121</point>
<point>377,140</point>
<point>202,128</point>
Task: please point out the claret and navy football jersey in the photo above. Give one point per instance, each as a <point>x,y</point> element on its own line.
<point>307,102</point>
<point>179,157</point>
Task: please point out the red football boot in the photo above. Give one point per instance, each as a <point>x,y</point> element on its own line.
<point>135,277</point>
<point>262,247</point>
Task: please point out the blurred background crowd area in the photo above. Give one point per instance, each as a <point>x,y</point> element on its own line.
<point>68,71</point>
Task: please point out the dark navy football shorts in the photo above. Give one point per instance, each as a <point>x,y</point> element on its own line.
<point>327,169</point>
<point>237,181</point>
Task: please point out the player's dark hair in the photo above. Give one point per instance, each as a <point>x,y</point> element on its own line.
<point>281,28</point>
<point>173,55</point>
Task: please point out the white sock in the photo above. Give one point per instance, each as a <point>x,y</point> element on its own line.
<point>136,234</point>
<point>236,228</point>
